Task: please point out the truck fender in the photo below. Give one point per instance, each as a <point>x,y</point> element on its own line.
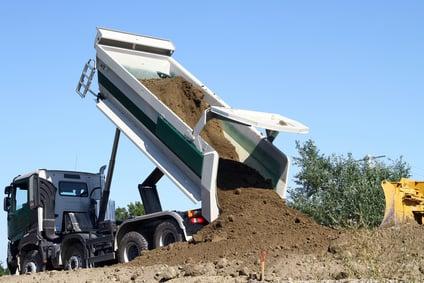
<point>31,241</point>
<point>127,225</point>
<point>72,238</point>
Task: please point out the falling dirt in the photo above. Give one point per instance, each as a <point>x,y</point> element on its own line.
<point>253,218</point>
<point>187,101</point>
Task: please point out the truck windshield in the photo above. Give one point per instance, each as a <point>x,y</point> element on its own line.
<point>73,189</point>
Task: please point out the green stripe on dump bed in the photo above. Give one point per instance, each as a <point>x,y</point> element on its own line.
<point>163,130</point>
<point>126,102</point>
<point>179,145</point>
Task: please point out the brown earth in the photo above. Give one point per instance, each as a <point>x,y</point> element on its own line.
<point>253,218</point>
<point>377,255</point>
<point>187,101</point>
<point>390,252</point>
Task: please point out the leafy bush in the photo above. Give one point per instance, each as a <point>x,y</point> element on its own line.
<point>339,191</point>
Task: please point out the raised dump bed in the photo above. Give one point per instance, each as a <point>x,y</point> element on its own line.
<point>122,60</point>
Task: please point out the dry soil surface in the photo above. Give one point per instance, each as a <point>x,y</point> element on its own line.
<point>382,254</point>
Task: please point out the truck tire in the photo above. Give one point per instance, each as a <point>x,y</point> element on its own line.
<point>131,246</point>
<point>74,257</point>
<point>12,268</point>
<point>12,262</point>
<point>31,262</point>
<point>167,233</point>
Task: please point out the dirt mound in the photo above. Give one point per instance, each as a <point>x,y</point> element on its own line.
<point>252,220</point>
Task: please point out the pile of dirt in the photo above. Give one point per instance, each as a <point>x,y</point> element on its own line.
<point>253,218</point>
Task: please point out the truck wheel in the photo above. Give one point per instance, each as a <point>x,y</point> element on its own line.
<point>12,262</point>
<point>12,268</point>
<point>167,233</point>
<point>131,246</point>
<point>74,257</point>
<point>31,262</point>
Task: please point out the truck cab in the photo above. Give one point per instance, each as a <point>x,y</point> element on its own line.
<point>44,205</point>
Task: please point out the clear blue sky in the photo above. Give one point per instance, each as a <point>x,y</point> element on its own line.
<point>353,71</point>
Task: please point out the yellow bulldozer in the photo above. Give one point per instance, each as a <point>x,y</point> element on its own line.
<point>404,202</point>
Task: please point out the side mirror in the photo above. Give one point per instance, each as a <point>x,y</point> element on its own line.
<point>33,192</point>
<point>6,203</point>
<point>8,190</point>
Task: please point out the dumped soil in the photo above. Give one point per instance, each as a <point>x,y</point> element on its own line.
<point>253,218</point>
<point>187,101</point>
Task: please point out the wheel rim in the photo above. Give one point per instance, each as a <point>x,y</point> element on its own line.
<point>131,252</point>
<point>167,238</point>
<point>30,267</point>
<point>74,262</point>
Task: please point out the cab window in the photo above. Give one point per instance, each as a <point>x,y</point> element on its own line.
<point>21,196</point>
<point>73,189</point>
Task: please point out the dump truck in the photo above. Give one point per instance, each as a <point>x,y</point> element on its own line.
<point>65,219</point>
<point>404,202</point>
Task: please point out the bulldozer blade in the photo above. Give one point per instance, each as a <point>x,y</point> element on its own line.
<point>403,202</point>
<point>391,213</point>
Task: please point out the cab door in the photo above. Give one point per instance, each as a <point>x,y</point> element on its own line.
<point>19,217</point>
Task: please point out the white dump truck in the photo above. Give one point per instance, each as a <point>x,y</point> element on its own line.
<point>58,219</point>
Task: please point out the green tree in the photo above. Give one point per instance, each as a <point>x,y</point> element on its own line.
<point>135,209</point>
<point>132,210</point>
<point>121,214</point>
<point>340,191</point>
<point>3,270</point>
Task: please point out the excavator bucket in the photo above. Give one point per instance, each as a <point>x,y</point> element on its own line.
<point>404,202</point>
